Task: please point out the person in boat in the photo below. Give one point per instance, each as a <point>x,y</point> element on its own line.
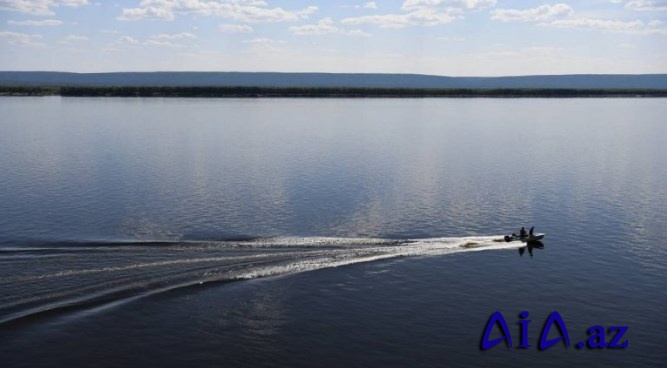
<point>522,232</point>
<point>531,230</point>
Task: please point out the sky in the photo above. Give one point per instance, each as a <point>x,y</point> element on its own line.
<point>439,37</point>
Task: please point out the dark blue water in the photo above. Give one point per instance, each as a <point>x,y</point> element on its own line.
<point>329,232</point>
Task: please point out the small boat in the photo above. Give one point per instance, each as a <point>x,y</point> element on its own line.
<point>525,239</point>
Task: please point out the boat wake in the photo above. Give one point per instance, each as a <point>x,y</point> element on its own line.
<point>52,277</point>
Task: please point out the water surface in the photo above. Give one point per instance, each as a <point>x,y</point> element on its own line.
<point>134,217</point>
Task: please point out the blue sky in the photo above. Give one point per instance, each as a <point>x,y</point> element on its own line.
<point>442,37</point>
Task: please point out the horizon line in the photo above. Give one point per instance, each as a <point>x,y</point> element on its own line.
<point>336,73</point>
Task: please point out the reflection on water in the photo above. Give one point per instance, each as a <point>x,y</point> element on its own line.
<point>120,197</point>
<point>196,168</point>
<point>529,247</point>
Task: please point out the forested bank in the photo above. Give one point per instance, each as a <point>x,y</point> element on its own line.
<point>218,91</point>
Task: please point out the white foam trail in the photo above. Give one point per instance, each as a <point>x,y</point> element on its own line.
<point>67,273</point>
<point>317,241</point>
<point>356,250</point>
<point>44,286</point>
<point>311,241</point>
<point>373,252</point>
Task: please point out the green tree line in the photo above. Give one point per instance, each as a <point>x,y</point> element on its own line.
<point>217,91</point>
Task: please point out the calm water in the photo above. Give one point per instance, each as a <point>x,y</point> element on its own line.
<point>327,232</point>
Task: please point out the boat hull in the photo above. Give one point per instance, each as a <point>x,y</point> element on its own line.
<point>526,239</point>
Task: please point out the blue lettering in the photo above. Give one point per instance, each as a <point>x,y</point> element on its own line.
<point>596,339</point>
<point>497,317</point>
<point>524,330</point>
<point>554,318</point>
<point>620,331</point>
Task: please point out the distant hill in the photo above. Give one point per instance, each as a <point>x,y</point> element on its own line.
<point>160,79</point>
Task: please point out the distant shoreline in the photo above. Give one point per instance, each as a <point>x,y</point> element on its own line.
<point>319,92</point>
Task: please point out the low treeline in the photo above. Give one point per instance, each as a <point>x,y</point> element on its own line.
<point>216,91</point>
<point>28,91</point>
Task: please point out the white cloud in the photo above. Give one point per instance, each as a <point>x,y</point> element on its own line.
<point>239,10</point>
<point>72,3</point>
<point>541,13</point>
<point>151,12</point>
<point>73,38</point>
<point>457,4</point>
<point>175,36</point>
<point>38,7</point>
<point>36,23</point>
<point>163,44</point>
<point>127,40</point>
<point>324,26</point>
<point>263,41</point>
<point>422,17</point>
<point>160,40</point>
<point>384,21</point>
<point>560,16</point>
<point>235,28</point>
<point>423,13</point>
<point>647,5</point>
<point>357,33</point>
<point>21,39</point>
<point>615,26</point>
<point>167,40</point>
<point>262,47</point>
<point>368,5</point>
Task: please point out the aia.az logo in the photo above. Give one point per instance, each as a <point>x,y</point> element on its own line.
<point>596,338</point>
